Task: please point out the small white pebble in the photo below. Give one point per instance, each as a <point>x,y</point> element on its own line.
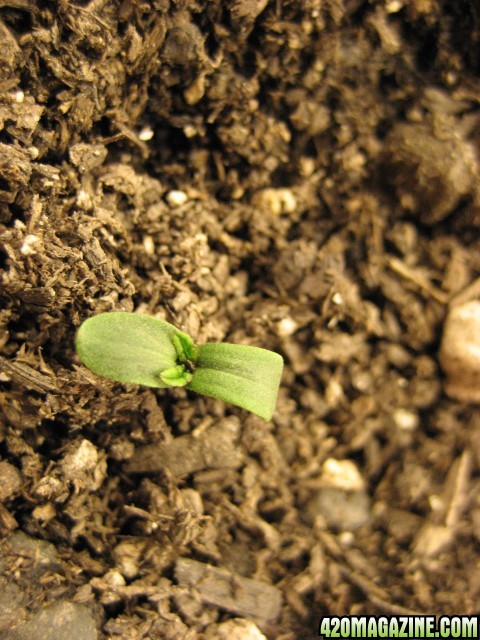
<point>127,555</point>
<point>44,512</point>
<point>306,167</point>
<point>176,198</point>
<point>34,152</point>
<point>189,131</point>
<point>30,245</point>
<point>362,381</point>
<point>394,6</point>
<point>83,458</point>
<point>149,245</point>
<point>236,629</point>
<point>286,327</point>
<point>437,504</point>
<point>334,394</point>
<point>460,352</point>
<point>275,201</point>
<point>114,578</point>
<point>339,509</point>
<point>347,538</point>
<point>19,96</point>
<point>84,200</point>
<point>289,202</point>
<point>146,134</point>
<point>405,420</point>
<point>83,466</point>
<point>341,474</point>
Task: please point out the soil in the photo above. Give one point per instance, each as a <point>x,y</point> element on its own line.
<point>301,176</point>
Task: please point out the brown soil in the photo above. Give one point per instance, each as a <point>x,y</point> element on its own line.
<point>301,176</point>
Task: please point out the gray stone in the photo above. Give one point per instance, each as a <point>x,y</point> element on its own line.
<point>57,621</point>
<point>11,604</point>
<point>342,510</point>
<point>42,553</point>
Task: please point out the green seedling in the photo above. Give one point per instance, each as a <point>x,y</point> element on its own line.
<point>138,349</point>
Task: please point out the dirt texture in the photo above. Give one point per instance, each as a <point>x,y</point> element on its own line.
<point>298,175</point>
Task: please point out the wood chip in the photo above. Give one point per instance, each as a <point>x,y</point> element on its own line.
<point>10,480</point>
<point>25,376</point>
<point>215,448</point>
<point>222,588</point>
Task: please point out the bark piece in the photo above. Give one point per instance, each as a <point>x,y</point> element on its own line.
<point>10,481</point>
<point>214,448</point>
<point>15,169</point>
<point>25,376</point>
<point>9,52</point>
<point>227,590</point>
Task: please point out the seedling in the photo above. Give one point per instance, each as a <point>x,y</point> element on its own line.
<point>139,349</point>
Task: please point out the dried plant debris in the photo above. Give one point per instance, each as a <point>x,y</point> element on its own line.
<point>301,177</point>
<point>215,448</point>
<point>430,188</point>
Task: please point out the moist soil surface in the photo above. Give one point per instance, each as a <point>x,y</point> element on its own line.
<point>301,176</point>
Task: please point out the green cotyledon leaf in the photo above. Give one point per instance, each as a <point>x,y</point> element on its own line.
<point>139,349</point>
<point>128,347</point>
<point>248,377</point>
